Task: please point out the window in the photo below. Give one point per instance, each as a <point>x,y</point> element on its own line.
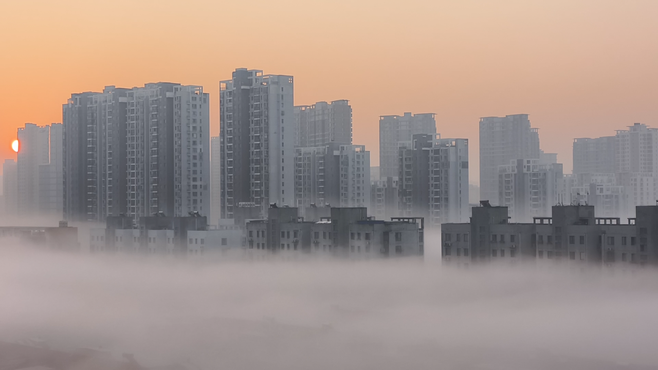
<point>367,236</point>
<point>582,239</point>
<point>494,238</point>
<point>502,253</point>
<point>283,234</point>
<point>540,239</point>
<point>458,237</point>
<point>549,239</point>
<point>512,238</point>
<point>633,240</point>
<point>224,241</point>
<point>623,240</point>
<point>324,235</point>
<point>502,238</point>
<point>446,250</point>
<point>512,252</point>
<point>494,253</point>
<point>398,236</point>
<point>466,251</point>
<point>203,241</point>
<point>358,236</point>
<point>466,238</point>
<point>288,234</point>
<point>549,254</point>
<point>447,237</point>
<point>352,236</point>
<point>459,252</point>
<point>398,249</point>
<point>611,240</point>
<point>316,235</point>
<point>572,239</point>
<point>295,234</point>
<point>251,233</point>
<point>643,248</point>
<point>572,255</point>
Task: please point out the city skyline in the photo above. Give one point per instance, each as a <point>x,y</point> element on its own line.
<point>566,68</point>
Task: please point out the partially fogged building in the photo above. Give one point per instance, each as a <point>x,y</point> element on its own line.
<point>396,131</point>
<point>332,174</point>
<point>137,152</point>
<point>433,179</point>
<point>34,152</point>
<point>503,139</point>
<point>323,123</point>
<point>529,188</point>
<point>257,138</point>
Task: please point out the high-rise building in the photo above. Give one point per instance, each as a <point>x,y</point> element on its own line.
<point>594,155</point>
<point>10,187</point>
<point>503,139</point>
<point>34,152</point>
<point>323,123</point>
<point>51,177</point>
<point>215,180</point>
<point>257,139</point>
<point>94,155</point>
<point>137,152</point>
<point>529,188</point>
<point>168,131</point>
<point>384,198</point>
<point>396,131</point>
<point>434,179</point>
<point>333,174</point>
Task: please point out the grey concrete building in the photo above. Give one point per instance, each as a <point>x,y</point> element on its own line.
<point>34,152</point>
<point>257,138</point>
<point>384,198</point>
<point>137,152</point>
<point>503,139</point>
<point>529,188</point>
<point>434,179</point>
<point>348,232</point>
<point>332,174</point>
<point>594,155</point>
<point>215,180</point>
<point>323,123</point>
<point>572,235</point>
<point>10,187</point>
<point>395,132</point>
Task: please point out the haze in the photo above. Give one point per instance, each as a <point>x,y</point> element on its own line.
<point>579,68</point>
<point>323,314</point>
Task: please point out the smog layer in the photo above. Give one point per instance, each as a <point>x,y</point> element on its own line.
<point>327,314</point>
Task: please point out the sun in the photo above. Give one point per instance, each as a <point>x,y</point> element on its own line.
<point>15,146</point>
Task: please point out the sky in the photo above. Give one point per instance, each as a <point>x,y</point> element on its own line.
<point>579,68</point>
<point>328,314</point>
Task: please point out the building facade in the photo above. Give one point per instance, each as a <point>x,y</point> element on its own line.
<point>529,188</point>
<point>434,179</point>
<point>397,131</point>
<point>572,235</point>
<point>323,123</point>
<point>257,137</point>
<point>503,139</point>
<point>384,199</point>
<point>332,174</point>
<point>137,152</point>
<point>34,152</point>
<point>215,180</point>
<point>10,187</point>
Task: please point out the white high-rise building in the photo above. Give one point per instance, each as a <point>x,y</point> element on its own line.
<point>504,139</point>
<point>257,139</point>
<point>396,132</point>
<point>323,123</point>
<point>34,152</point>
<point>332,174</point>
<point>529,188</point>
<point>433,179</point>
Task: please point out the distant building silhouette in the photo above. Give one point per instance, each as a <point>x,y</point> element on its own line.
<point>323,123</point>
<point>396,131</point>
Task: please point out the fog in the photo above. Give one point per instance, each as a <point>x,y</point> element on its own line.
<point>328,314</point>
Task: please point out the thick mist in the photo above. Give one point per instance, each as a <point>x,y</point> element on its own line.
<point>327,314</point>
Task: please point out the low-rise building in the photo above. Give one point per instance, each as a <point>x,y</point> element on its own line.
<point>62,237</point>
<point>347,232</point>
<point>571,235</point>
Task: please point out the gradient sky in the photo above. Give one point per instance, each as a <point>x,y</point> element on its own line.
<point>579,68</point>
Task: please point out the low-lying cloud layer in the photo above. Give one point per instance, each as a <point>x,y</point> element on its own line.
<point>317,314</point>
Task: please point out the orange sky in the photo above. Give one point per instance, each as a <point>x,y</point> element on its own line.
<point>579,68</point>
